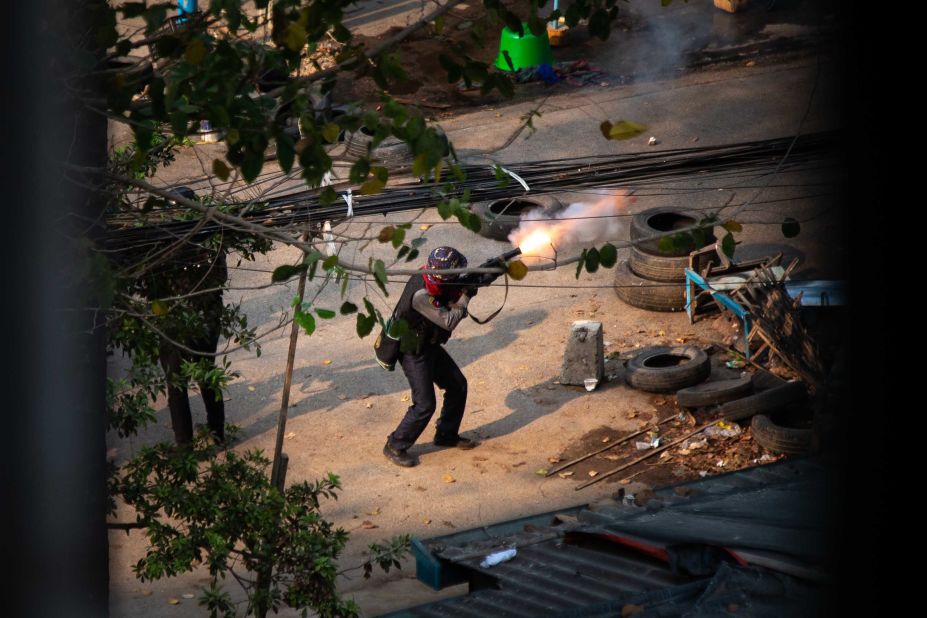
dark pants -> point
(433, 366)
(179, 402)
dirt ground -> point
(343, 405)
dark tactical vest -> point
(428, 332)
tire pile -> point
(683, 370)
(498, 218)
(652, 279)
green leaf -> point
(398, 237)
(732, 226)
(365, 324)
(325, 314)
(592, 260)
(330, 262)
(327, 197)
(439, 24)
(412, 255)
(360, 170)
(348, 308)
(154, 17)
(220, 169)
(581, 263)
(420, 165)
(445, 210)
(790, 227)
(623, 129)
(305, 320)
(251, 166)
(371, 187)
(379, 274)
(728, 245)
(285, 152)
(608, 255)
(195, 52)
(294, 37)
(312, 257)
(330, 132)
(159, 308)
(665, 2)
(287, 271)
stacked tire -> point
(498, 218)
(652, 279)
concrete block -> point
(584, 356)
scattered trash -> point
(652, 141)
(564, 475)
(702, 473)
(404, 398)
(643, 446)
(173, 601)
(447, 478)
(541, 472)
(327, 361)
(606, 439)
(251, 388)
(368, 406)
(723, 430)
(424, 228)
(553, 460)
(751, 63)
(628, 499)
(680, 339)
(289, 435)
(426, 521)
(376, 511)
(592, 473)
(497, 557)
(590, 383)
(734, 364)
(188, 595)
(720, 463)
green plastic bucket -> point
(525, 51)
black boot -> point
(400, 458)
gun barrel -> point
(505, 257)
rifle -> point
(472, 281)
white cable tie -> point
(516, 177)
(328, 237)
(350, 201)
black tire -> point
(499, 217)
(713, 393)
(658, 369)
(647, 294)
(764, 402)
(658, 267)
(662, 220)
(779, 439)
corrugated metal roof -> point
(772, 512)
